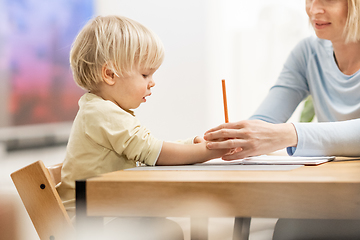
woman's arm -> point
(340, 138)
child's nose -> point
(151, 83)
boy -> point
(114, 59)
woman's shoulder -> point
(314, 46)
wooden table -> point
(327, 191)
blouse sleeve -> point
(340, 138)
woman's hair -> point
(352, 27)
(119, 42)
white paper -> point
(257, 163)
(272, 160)
(286, 160)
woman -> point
(327, 68)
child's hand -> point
(198, 139)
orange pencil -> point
(225, 101)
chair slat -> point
(42, 202)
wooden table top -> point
(330, 190)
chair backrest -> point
(36, 187)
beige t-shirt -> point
(104, 138)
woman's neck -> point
(347, 57)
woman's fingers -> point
(232, 125)
(223, 134)
(216, 128)
(226, 144)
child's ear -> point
(108, 75)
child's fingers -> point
(198, 139)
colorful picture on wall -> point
(36, 39)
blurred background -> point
(244, 42)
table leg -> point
(86, 227)
(199, 228)
(241, 228)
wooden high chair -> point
(36, 186)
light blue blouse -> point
(311, 69)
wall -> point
(177, 108)
(245, 42)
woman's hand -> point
(250, 138)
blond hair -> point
(119, 42)
(352, 27)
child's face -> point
(131, 90)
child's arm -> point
(177, 154)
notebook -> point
(286, 160)
(273, 160)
